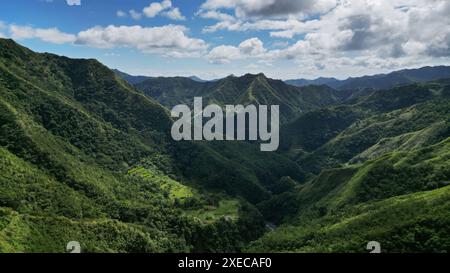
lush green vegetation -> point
(82, 148)
(408, 223)
(400, 200)
(85, 156)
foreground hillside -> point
(401, 200)
(86, 157)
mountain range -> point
(86, 155)
(248, 89)
(381, 81)
(139, 79)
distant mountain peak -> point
(197, 79)
(130, 78)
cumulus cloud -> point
(170, 40)
(135, 15)
(386, 29)
(163, 8)
(353, 38)
(73, 2)
(224, 54)
(156, 8)
(121, 14)
(174, 14)
(51, 35)
(252, 47)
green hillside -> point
(79, 144)
(368, 126)
(391, 157)
(401, 200)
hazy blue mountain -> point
(319, 81)
(381, 81)
(197, 79)
(130, 78)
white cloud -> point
(135, 15)
(387, 29)
(225, 53)
(73, 2)
(157, 7)
(132, 13)
(121, 14)
(356, 37)
(174, 14)
(163, 8)
(216, 15)
(51, 35)
(252, 47)
(169, 40)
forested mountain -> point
(319, 81)
(85, 156)
(197, 79)
(381, 81)
(248, 89)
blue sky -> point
(214, 38)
